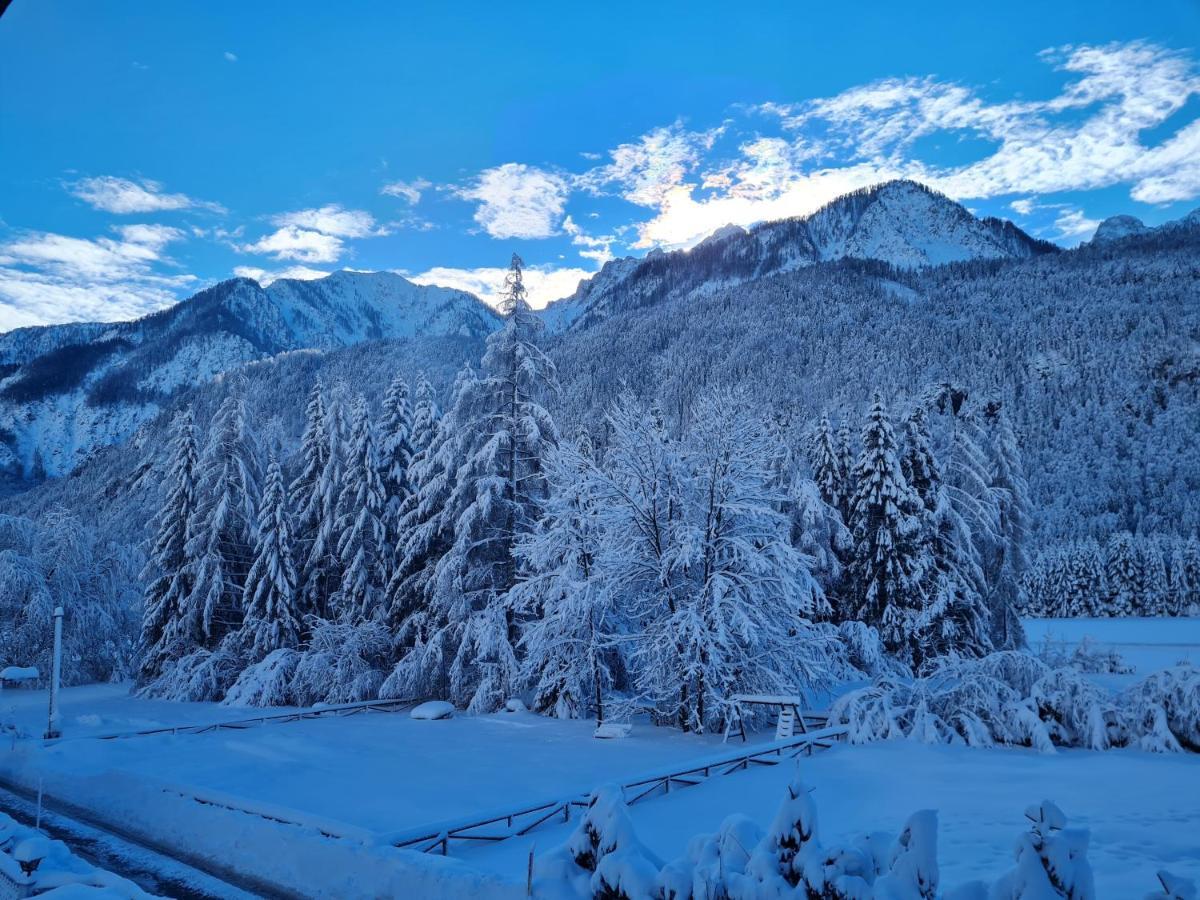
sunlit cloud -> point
(265, 277)
(544, 283)
(315, 235)
(409, 191)
(517, 201)
(124, 196)
(46, 277)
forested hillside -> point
(1084, 364)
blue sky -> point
(150, 149)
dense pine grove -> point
(1084, 360)
(477, 553)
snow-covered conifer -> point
(360, 528)
(169, 569)
(502, 433)
(221, 536)
(270, 621)
(887, 570)
(1006, 561)
(1125, 576)
(314, 495)
(395, 459)
(827, 465)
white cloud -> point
(544, 283)
(301, 244)
(230, 57)
(46, 277)
(1088, 135)
(517, 201)
(1023, 206)
(409, 191)
(1073, 226)
(314, 235)
(265, 277)
(332, 219)
(123, 196)
(650, 168)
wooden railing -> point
(515, 823)
(316, 712)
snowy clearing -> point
(365, 775)
(1147, 644)
(1141, 808)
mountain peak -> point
(902, 222)
(1116, 227)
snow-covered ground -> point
(1142, 809)
(1146, 644)
(372, 774)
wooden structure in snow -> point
(791, 718)
(19, 676)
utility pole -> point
(55, 676)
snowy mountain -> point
(902, 223)
(1117, 228)
(66, 390)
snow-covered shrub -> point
(913, 872)
(267, 682)
(1084, 656)
(602, 858)
(1164, 709)
(201, 676)
(719, 863)
(343, 664)
(1014, 698)
(1051, 861)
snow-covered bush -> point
(604, 860)
(1165, 709)
(1015, 698)
(1084, 656)
(267, 682)
(602, 857)
(201, 676)
(1051, 861)
(343, 664)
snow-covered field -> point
(373, 774)
(1146, 644)
(1141, 808)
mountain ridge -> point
(67, 389)
(902, 223)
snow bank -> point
(56, 871)
(433, 710)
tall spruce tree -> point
(504, 433)
(1005, 563)
(395, 460)
(221, 541)
(887, 570)
(360, 524)
(955, 619)
(459, 561)
(827, 466)
(1125, 576)
(316, 492)
(168, 570)
(269, 600)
